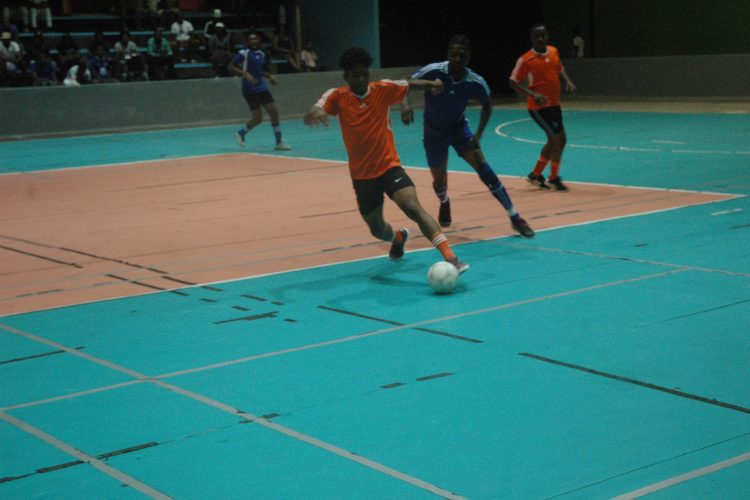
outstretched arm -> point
(436, 85)
(316, 116)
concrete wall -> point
(334, 25)
(673, 76)
(45, 111)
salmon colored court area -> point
(80, 235)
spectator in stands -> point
(101, 65)
(67, 52)
(43, 69)
(220, 49)
(309, 58)
(8, 24)
(160, 57)
(40, 5)
(15, 10)
(36, 45)
(169, 11)
(184, 39)
(78, 74)
(130, 64)
(11, 59)
(283, 47)
(98, 41)
(210, 27)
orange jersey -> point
(542, 73)
(366, 126)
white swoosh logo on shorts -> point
(397, 180)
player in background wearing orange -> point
(537, 75)
(363, 109)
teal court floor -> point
(600, 360)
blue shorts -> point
(437, 142)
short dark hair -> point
(460, 40)
(537, 26)
(354, 56)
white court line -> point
(646, 490)
(724, 212)
(83, 457)
(499, 131)
(210, 402)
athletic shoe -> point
(522, 227)
(461, 266)
(536, 180)
(444, 215)
(397, 248)
(557, 184)
(240, 139)
(282, 146)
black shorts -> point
(550, 119)
(255, 100)
(370, 191)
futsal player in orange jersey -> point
(537, 75)
(363, 109)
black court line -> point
(73, 463)
(388, 322)
(111, 259)
(696, 313)
(133, 282)
(43, 257)
(172, 278)
(271, 314)
(648, 385)
(34, 356)
(327, 214)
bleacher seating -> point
(83, 26)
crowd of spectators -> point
(51, 58)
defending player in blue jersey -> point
(445, 125)
(249, 64)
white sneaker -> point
(240, 139)
(283, 146)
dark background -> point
(417, 33)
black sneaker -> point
(557, 184)
(461, 266)
(522, 227)
(397, 249)
(444, 215)
(536, 180)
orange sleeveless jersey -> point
(542, 71)
(366, 126)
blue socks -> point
(495, 185)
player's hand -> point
(570, 87)
(273, 79)
(540, 99)
(316, 116)
(407, 115)
(438, 87)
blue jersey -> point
(446, 109)
(253, 62)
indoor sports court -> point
(182, 318)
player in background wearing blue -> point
(445, 126)
(250, 65)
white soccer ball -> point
(442, 276)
